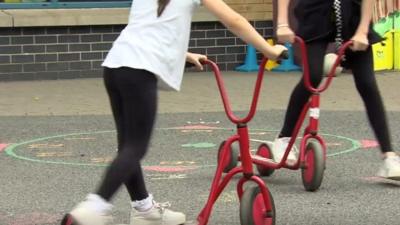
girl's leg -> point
(116, 107)
(133, 97)
(364, 77)
(134, 107)
(300, 95)
(115, 102)
(362, 66)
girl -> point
(321, 22)
(150, 51)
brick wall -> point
(75, 52)
(54, 52)
(220, 45)
(253, 9)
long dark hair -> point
(161, 6)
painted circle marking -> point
(10, 150)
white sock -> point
(143, 205)
(98, 204)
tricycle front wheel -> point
(253, 210)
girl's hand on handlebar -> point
(278, 51)
(285, 34)
(196, 59)
(360, 42)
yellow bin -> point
(383, 53)
(397, 50)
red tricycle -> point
(256, 202)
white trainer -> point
(159, 214)
(390, 168)
(278, 150)
(84, 214)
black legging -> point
(133, 98)
(361, 64)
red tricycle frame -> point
(258, 203)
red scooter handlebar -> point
(224, 95)
(225, 99)
(256, 93)
(306, 70)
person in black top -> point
(321, 22)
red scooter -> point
(256, 202)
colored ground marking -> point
(173, 166)
(54, 154)
(257, 133)
(203, 122)
(164, 176)
(3, 146)
(177, 163)
(199, 145)
(198, 131)
(369, 143)
(170, 169)
(333, 144)
(46, 145)
(101, 160)
(11, 150)
(196, 127)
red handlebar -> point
(225, 99)
(306, 70)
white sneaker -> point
(84, 214)
(158, 215)
(278, 150)
(390, 168)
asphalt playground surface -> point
(57, 137)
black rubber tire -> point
(264, 150)
(313, 172)
(247, 207)
(233, 157)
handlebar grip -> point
(284, 55)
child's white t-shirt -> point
(155, 44)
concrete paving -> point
(60, 137)
(199, 91)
